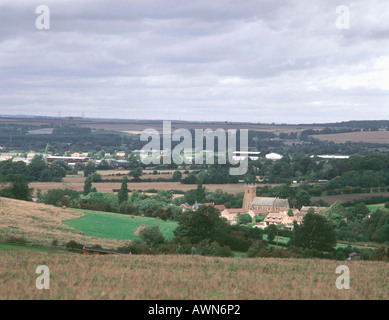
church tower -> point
(250, 192)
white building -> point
(273, 156)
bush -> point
(225, 251)
(17, 240)
(152, 236)
(136, 247)
(74, 246)
(257, 249)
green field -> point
(375, 206)
(283, 240)
(116, 226)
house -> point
(273, 156)
(231, 214)
(31, 156)
(305, 209)
(197, 205)
(298, 217)
(220, 207)
(186, 206)
(75, 155)
(69, 160)
(278, 218)
(25, 160)
(353, 256)
(252, 202)
(121, 155)
(254, 213)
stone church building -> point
(252, 202)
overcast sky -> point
(282, 61)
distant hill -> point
(357, 124)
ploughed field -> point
(75, 276)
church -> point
(252, 202)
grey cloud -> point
(274, 61)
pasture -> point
(376, 206)
(106, 225)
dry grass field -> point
(41, 224)
(367, 137)
(74, 276)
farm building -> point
(69, 160)
(353, 256)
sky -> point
(261, 61)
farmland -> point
(40, 224)
(367, 137)
(115, 226)
(137, 126)
(75, 276)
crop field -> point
(116, 226)
(110, 186)
(367, 137)
(74, 276)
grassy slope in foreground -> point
(117, 226)
(165, 277)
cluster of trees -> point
(15, 186)
(37, 170)
(80, 139)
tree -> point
(18, 188)
(152, 236)
(271, 232)
(203, 224)
(36, 167)
(62, 164)
(316, 232)
(136, 173)
(200, 192)
(88, 185)
(290, 213)
(244, 218)
(89, 169)
(303, 198)
(123, 192)
(177, 176)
